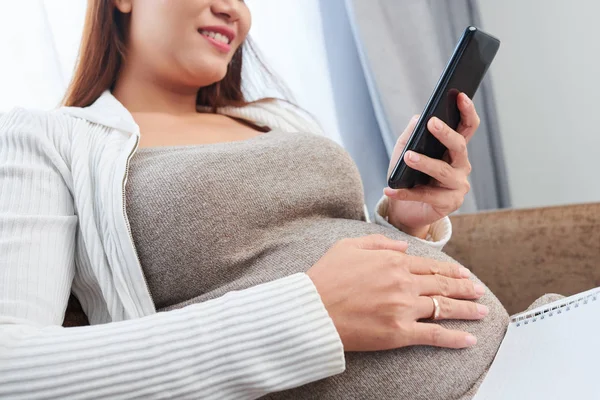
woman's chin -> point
(208, 76)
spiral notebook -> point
(551, 352)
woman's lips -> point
(220, 36)
(223, 47)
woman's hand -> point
(376, 295)
(413, 210)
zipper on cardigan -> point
(137, 141)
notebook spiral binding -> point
(527, 318)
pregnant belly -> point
(408, 373)
(279, 252)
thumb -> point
(380, 242)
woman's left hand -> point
(414, 210)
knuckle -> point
(398, 261)
(402, 332)
(446, 171)
(467, 289)
(446, 308)
(472, 310)
(392, 321)
(462, 145)
(453, 270)
(400, 303)
(469, 167)
(467, 185)
(404, 281)
(443, 285)
(389, 260)
(446, 131)
(396, 325)
(457, 202)
(435, 335)
(471, 289)
(402, 194)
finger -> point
(379, 242)
(436, 335)
(443, 199)
(450, 309)
(430, 285)
(454, 142)
(426, 266)
(469, 119)
(444, 173)
(402, 140)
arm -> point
(245, 344)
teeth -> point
(216, 36)
(221, 38)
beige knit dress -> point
(210, 219)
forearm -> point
(243, 345)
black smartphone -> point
(465, 71)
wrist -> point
(421, 232)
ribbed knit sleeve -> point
(243, 345)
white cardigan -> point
(63, 228)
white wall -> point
(546, 78)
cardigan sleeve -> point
(246, 344)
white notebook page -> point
(552, 352)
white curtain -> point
(38, 43)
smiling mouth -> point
(216, 36)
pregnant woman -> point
(220, 247)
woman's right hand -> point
(376, 295)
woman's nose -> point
(227, 9)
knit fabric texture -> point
(211, 219)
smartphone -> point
(465, 71)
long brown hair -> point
(103, 50)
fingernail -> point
(471, 340)
(414, 157)
(479, 289)
(437, 123)
(464, 272)
(482, 310)
(467, 101)
(415, 118)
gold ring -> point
(436, 308)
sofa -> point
(523, 254)
(520, 254)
